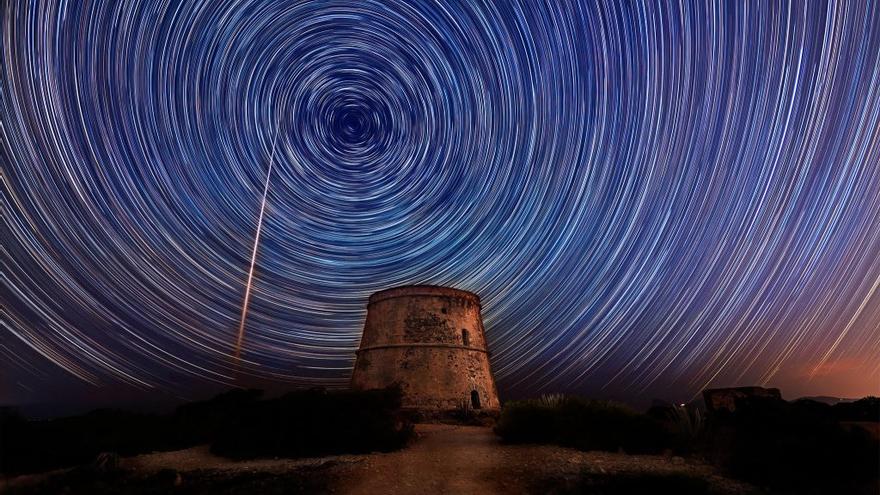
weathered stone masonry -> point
(430, 340)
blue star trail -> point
(649, 198)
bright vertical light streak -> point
(247, 291)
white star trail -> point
(650, 198)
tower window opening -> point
(465, 338)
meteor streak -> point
(250, 278)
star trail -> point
(649, 198)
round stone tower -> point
(430, 341)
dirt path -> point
(445, 459)
(471, 460)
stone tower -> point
(430, 341)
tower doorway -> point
(475, 399)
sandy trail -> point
(445, 459)
(471, 460)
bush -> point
(799, 446)
(582, 424)
(865, 409)
(793, 446)
(30, 446)
(315, 422)
(237, 423)
(684, 426)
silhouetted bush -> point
(29, 446)
(684, 426)
(201, 422)
(582, 424)
(865, 409)
(797, 446)
(238, 423)
(315, 422)
(792, 447)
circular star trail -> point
(648, 198)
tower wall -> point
(430, 341)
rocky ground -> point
(443, 459)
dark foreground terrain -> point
(238, 424)
(361, 442)
(443, 459)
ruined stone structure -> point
(430, 341)
(718, 399)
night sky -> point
(650, 199)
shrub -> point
(238, 424)
(684, 426)
(29, 446)
(201, 422)
(552, 400)
(315, 422)
(865, 409)
(580, 423)
(793, 446)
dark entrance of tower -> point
(475, 399)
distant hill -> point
(828, 400)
